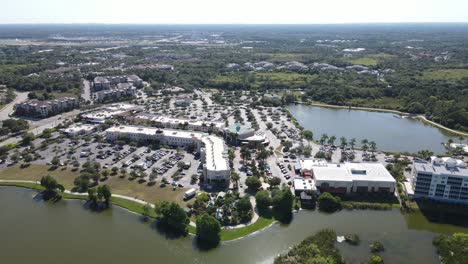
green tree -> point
(308, 134)
(253, 183)
(50, 184)
(263, 200)
(352, 143)
(323, 139)
(375, 260)
(275, 181)
(282, 201)
(28, 158)
(172, 217)
(104, 192)
(208, 231)
(245, 154)
(373, 147)
(55, 161)
(114, 170)
(425, 154)
(328, 203)
(27, 138)
(244, 209)
(92, 196)
(343, 143)
(235, 177)
(377, 247)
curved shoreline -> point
(68, 195)
(421, 117)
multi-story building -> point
(105, 83)
(37, 108)
(121, 90)
(444, 179)
(177, 123)
(212, 148)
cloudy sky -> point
(232, 11)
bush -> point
(263, 200)
(328, 202)
(353, 239)
(172, 217)
(318, 248)
(376, 247)
(253, 183)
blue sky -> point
(232, 11)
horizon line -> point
(232, 24)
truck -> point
(189, 194)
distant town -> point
(225, 159)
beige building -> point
(37, 108)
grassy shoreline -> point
(134, 207)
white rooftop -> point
(350, 171)
(308, 164)
(215, 149)
(304, 184)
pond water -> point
(389, 132)
(33, 231)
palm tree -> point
(245, 154)
(323, 139)
(331, 140)
(352, 143)
(425, 154)
(343, 143)
(373, 147)
(364, 143)
(235, 177)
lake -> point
(390, 133)
(38, 232)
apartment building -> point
(110, 82)
(121, 90)
(444, 179)
(42, 109)
(212, 148)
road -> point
(86, 91)
(6, 110)
(38, 126)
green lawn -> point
(65, 176)
(449, 75)
(231, 234)
(371, 59)
(364, 61)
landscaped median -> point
(137, 207)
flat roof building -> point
(212, 148)
(79, 129)
(177, 123)
(444, 179)
(353, 178)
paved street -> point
(6, 110)
(86, 91)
